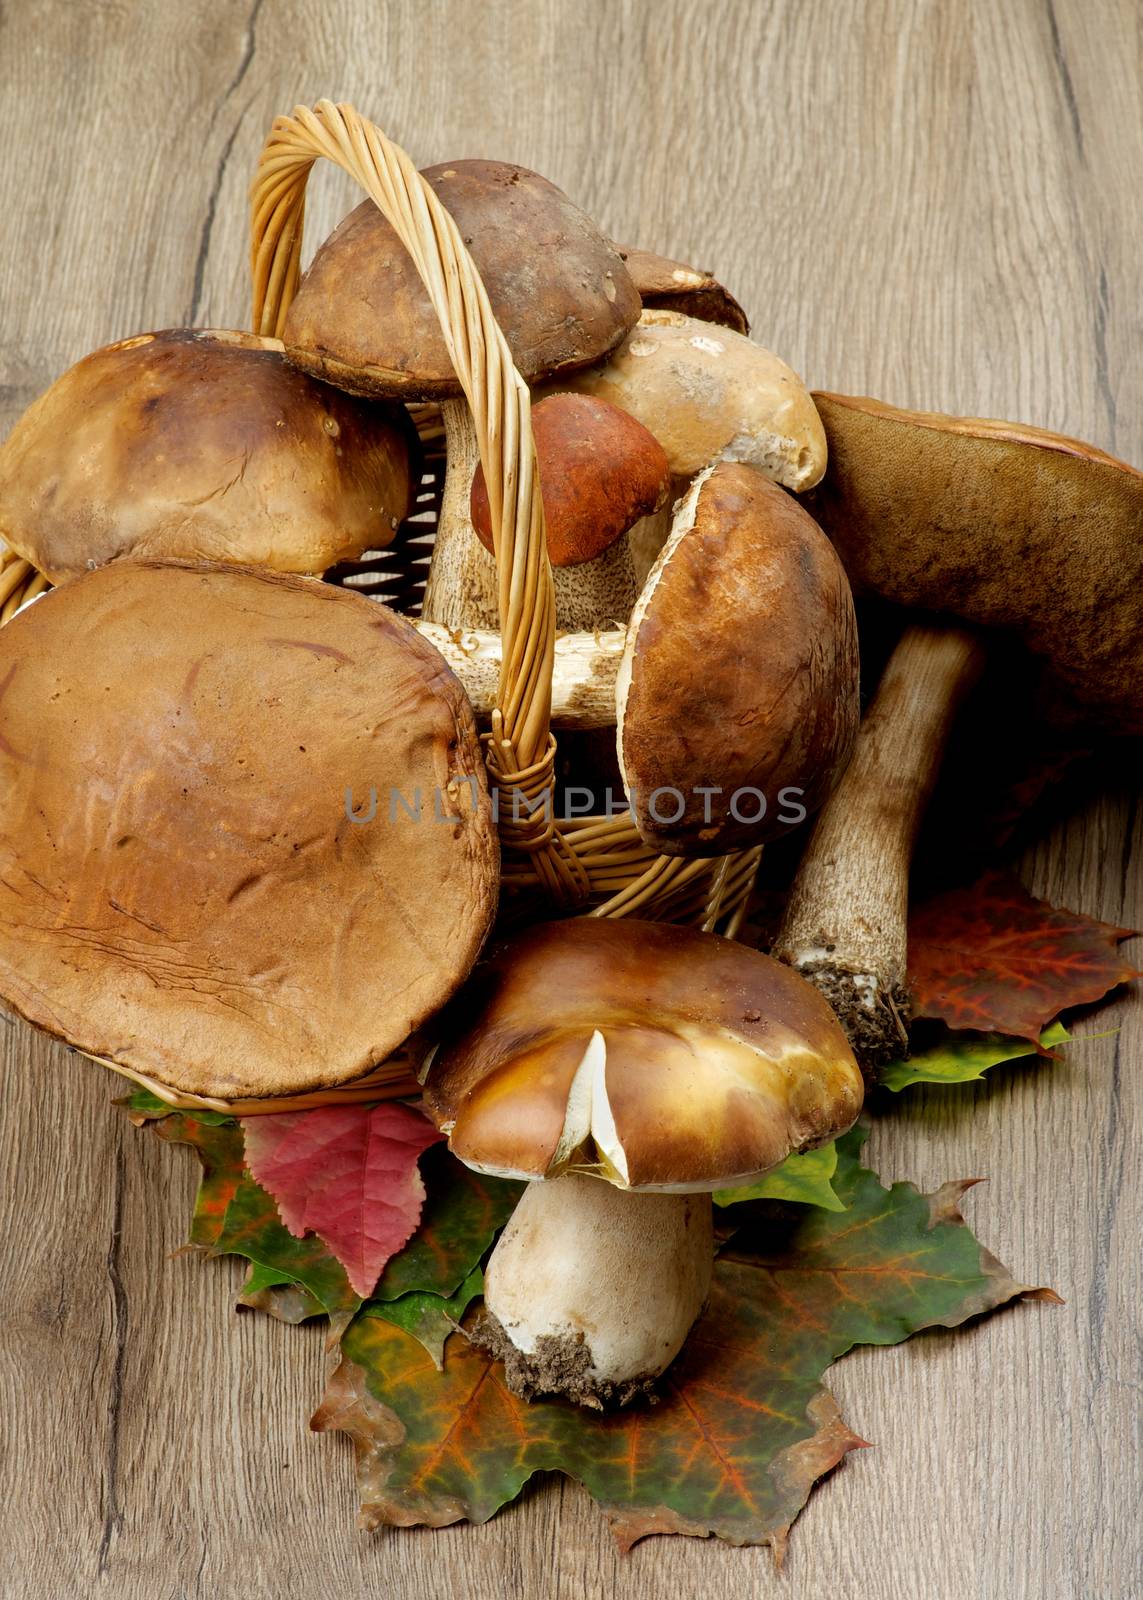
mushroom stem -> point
(592, 1289)
(583, 680)
(462, 590)
(846, 917)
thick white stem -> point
(584, 675)
(592, 1290)
(846, 917)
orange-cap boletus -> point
(996, 525)
(737, 697)
(601, 473)
(626, 1070)
(183, 888)
(362, 319)
(201, 445)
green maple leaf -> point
(965, 1057)
(807, 1179)
(743, 1428)
(430, 1318)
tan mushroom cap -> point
(740, 671)
(1000, 525)
(362, 318)
(705, 391)
(651, 1055)
(600, 472)
(182, 890)
(204, 446)
(666, 285)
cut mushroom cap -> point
(202, 445)
(706, 392)
(182, 888)
(650, 1055)
(738, 692)
(664, 1061)
(600, 472)
(666, 285)
(362, 317)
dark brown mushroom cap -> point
(600, 471)
(666, 285)
(362, 319)
(203, 446)
(1001, 526)
(182, 890)
(716, 1062)
(740, 671)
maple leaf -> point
(993, 959)
(430, 1318)
(743, 1428)
(965, 1057)
(805, 1178)
(294, 1279)
(347, 1173)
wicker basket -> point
(595, 865)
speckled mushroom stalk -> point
(626, 1070)
(844, 926)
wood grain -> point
(939, 203)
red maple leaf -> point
(994, 959)
(348, 1174)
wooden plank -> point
(939, 204)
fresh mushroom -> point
(625, 1070)
(601, 473)
(205, 446)
(362, 319)
(737, 697)
(707, 393)
(246, 843)
(666, 285)
(991, 524)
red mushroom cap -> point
(600, 471)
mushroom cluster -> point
(249, 845)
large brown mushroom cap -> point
(600, 472)
(362, 318)
(740, 670)
(182, 890)
(712, 1062)
(202, 446)
(1002, 526)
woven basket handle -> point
(498, 396)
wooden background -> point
(933, 201)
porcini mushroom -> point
(246, 844)
(707, 394)
(626, 1070)
(992, 524)
(737, 696)
(204, 445)
(601, 473)
(362, 319)
(666, 285)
